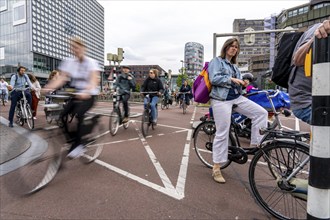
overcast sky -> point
(155, 32)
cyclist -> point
(3, 88)
(83, 74)
(186, 89)
(248, 79)
(227, 83)
(167, 95)
(124, 83)
(153, 84)
(18, 81)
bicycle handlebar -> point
(21, 89)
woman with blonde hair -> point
(226, 80)
(35, 94)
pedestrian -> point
(3, 88)
(300, 86)
(227, 83)
(153, 84)
(35, 94)
(123, 85)
(18, 81)
(83, 74)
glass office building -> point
(35, 33)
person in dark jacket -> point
(153, 84)
(124, 83)
(185, 88)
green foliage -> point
(182, 78)
(137, 87)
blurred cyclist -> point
(153, 84)
(83, 74)
(124, 83)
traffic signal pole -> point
(318, 200)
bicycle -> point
(183, 103)
(39, 165)
(23, 110)
(146, 121)
(205, 133)
(116, 116)
(278, 174)
(56, 104)
(3, 97)
(165, 103)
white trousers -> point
(222, 111)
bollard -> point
(318, 202)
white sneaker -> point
(77, 152)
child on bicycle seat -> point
(124, 83)
(153, 84)
(83, 74)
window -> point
(3, 5)
(19, 13)
(2, 53)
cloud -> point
(155, 32)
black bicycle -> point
(3, 97)
(183, 103)
(165, 103)
(23, 110)
(39, 165)
(116, 116)
(147, 119)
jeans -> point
(154, 101)
(304, 114)
(5, 92)
(15, 97)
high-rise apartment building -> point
(35, 33)
(193, 58)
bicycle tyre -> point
(272, 163)
(126, 125)
(145, 123)
(163, 104)
(203, 141)
(3, 99)
(37, 167)
(184, 107)
(94, 144)
(114, 123)
(29, 117)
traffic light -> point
(120, 54)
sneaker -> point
(77, 152)
(217, 176)
(125, 120)
(34, 118)
(10, 125)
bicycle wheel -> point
(163, 104)
(49, 118)
(267, 173)
(145, 123)
(29, 117)
(36, 167)
(94, 145)
(19, 116)
(114, 123)
(184, 107)
(203, 143)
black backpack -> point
(282, 66)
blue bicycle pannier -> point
(282, 100)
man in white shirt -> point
(83, 74)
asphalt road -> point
(159, 177)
